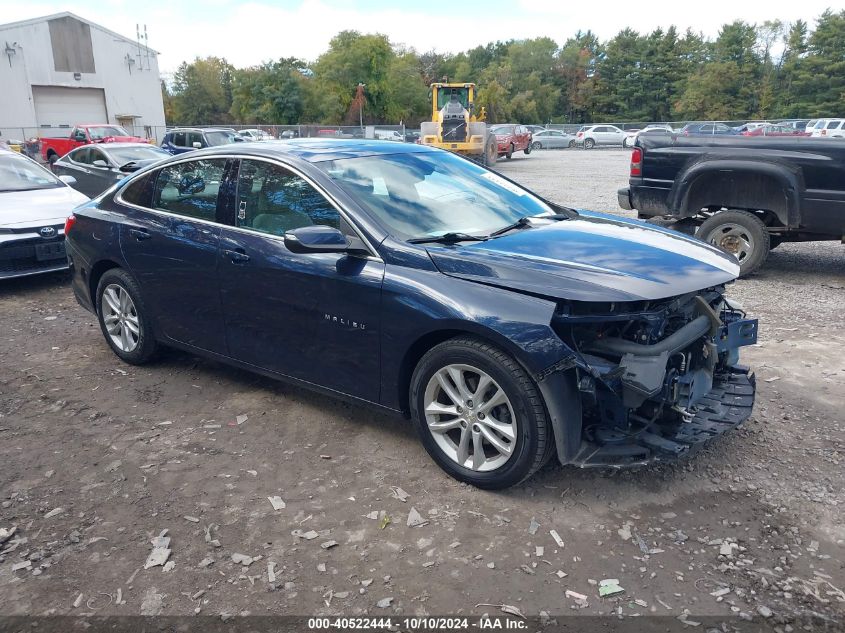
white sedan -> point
(34, 205)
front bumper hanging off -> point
(727, 405)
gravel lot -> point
(97, 458)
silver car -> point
(552, 139)
(97, 167)
(34, 205)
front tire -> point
(536, 145)
(509, 152)
(123, 318)
(740, 233)
(527, 150)
(491, 151)
(479, 414)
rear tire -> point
(739, 233)
(124, 320)
(522, 439)
(589, 143)
(572, 143)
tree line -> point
(749, 71)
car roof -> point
(200, 129)
(109, 146)
(315, 150)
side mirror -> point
(100, 163)
(316, 239)
(68, 180)
(196, 145)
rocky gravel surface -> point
(186, 487)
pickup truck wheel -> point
(739, 233)
(589, 143)
(509, 153)
(479, 414)
(527, 150)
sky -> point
(252, 31)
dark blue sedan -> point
(508, 328)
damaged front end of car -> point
(655, 378)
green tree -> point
(202, 92)
(270, 93)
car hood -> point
(39, 207)
(592, 258)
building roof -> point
(68, 14)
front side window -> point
(190, 188)
(81, 156)
(272, 199)
(420, 195)
(96, 155)
(194, 137)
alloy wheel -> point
(470, 417)
(120, 318)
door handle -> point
(140, 234)
(236, 256)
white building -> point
(62, 70)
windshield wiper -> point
(448, 238)
(527, 221)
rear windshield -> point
(130, 154)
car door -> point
(615, 136)
(311, 316)
(76, 164)
(553, 139)
(169, 239)
(101, 175)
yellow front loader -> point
(455, 125)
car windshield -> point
(105, 131)
(18, 173)
(420, 195)
(124, 155)
(502, 129)
(219, 138)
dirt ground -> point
(97, 458)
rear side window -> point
(832, 125)
(139, 191)
(190, 188)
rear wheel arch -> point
(766, 190)
(94, 276)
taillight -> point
(71, 220)
(580, 134)
(637, 162)
(824, 132)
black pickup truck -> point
(746, 195)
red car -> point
(512, 138)
(54, 148)
(774, 130)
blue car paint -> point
(351, 326)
